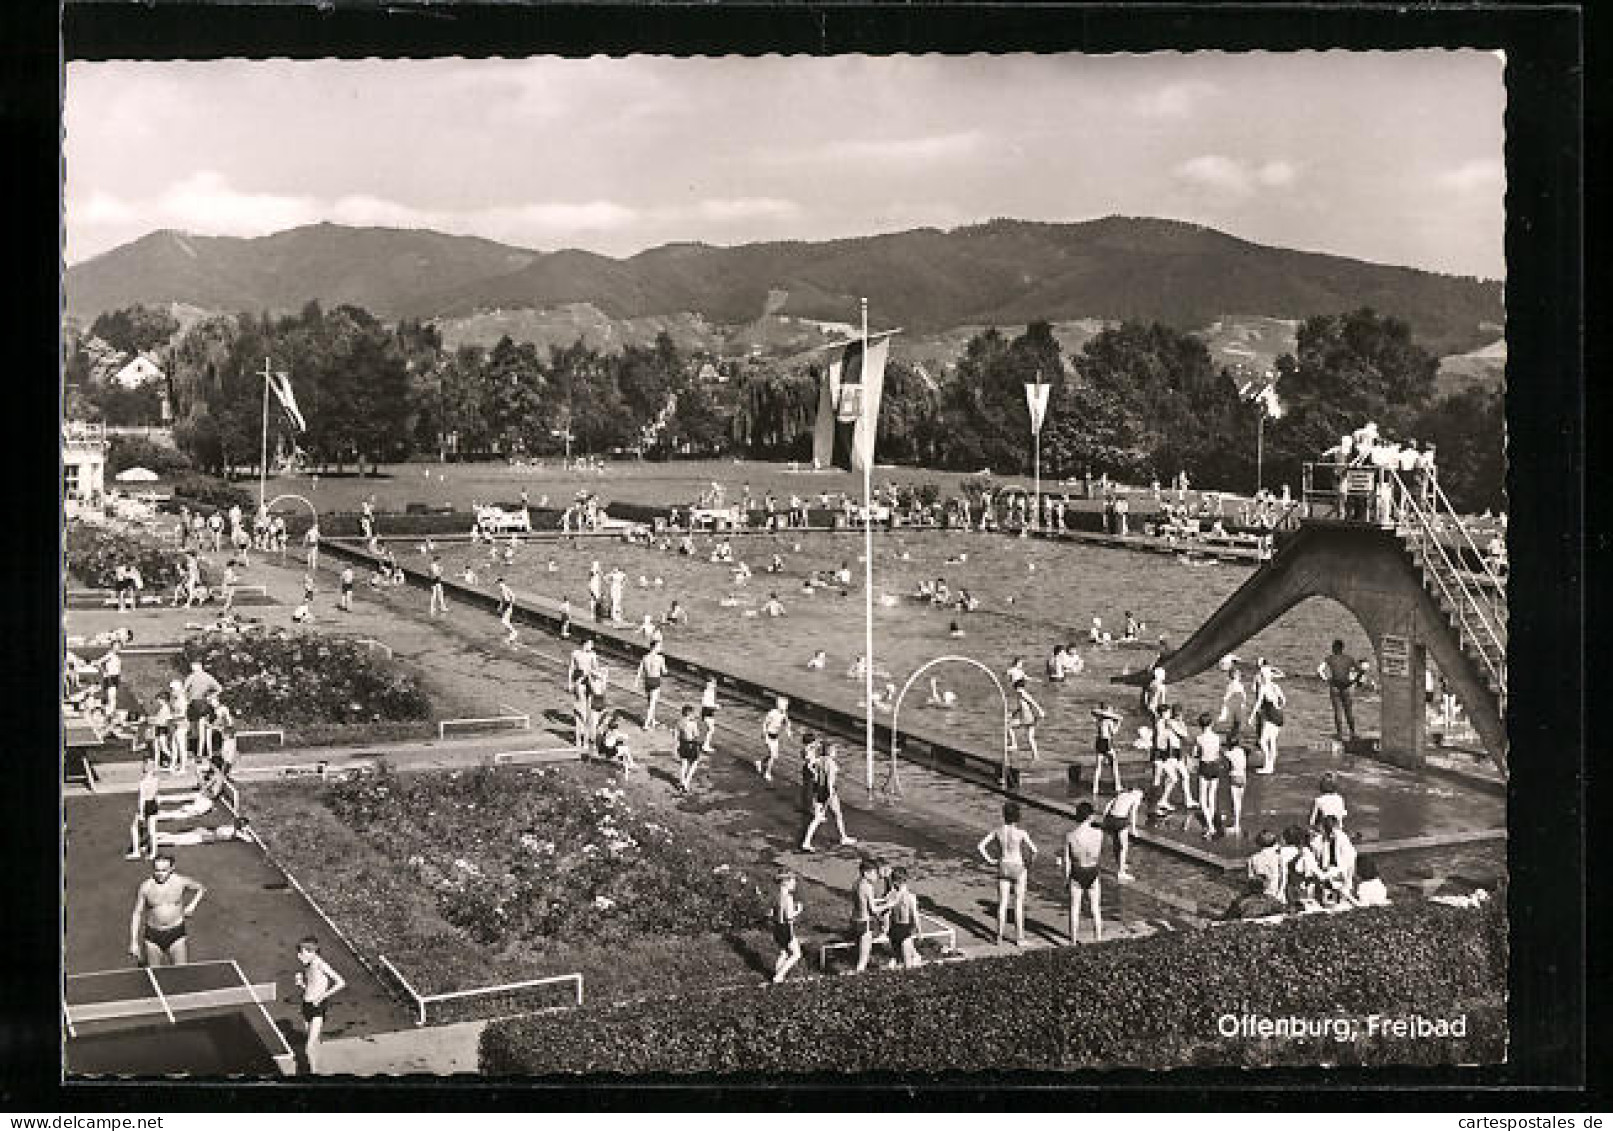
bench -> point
(937, 931)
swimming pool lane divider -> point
(965, 765)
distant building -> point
(138, 373)
(709, 375)
(83, 461)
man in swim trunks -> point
(319, 982)
(1342, 673)
(157, 927)
(651, 670)
(1082, 849)
(198, 685)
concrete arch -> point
(1368, 571)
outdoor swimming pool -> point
(1033, 594)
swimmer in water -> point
(955, 630)
(944, 700)
(819, 660)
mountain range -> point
(927, 281)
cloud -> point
(1213, 171)
(926, 149)
(747, 208)
(1276, 174)
(1231, 177)
(1173, 100)
(205, 201)
(1470, 176)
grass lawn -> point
(477, 877)
(674, 483)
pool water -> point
(1033, 594)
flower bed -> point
(511, 855)
(308, 678)
(1153, 1003)
(475, 877)
(94, 552)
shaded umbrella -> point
(137, 475)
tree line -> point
(1137, 401)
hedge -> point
(207, 491)
(1148, 1003)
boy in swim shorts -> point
(775, 726)
(786, 910)
(864, 911)
(688, 739)
(319, 982)
(1108, 721)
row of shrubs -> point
(1151, 1003)
(94, 553)
(195, 489)
(316, 679)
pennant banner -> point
(281, 385)
(1036, 401)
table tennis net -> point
(173, 993)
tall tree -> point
(1468, 430)
(1350, 369)
(135, 329)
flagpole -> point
(263, 454)
(868, 564)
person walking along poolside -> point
(826, 798)
(651, 670)
(687, 735)
(439, 599)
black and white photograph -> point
(779, 566)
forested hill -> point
(1005, 272)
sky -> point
(1394, 157)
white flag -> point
(281, 384)
(1036, 401)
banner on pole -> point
(1036, 400)
(848, 404)
(280, 385)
